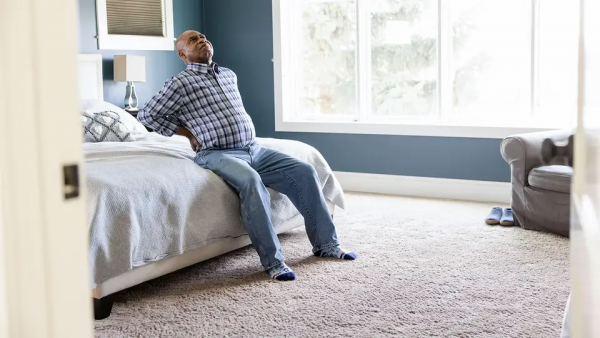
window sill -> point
(379, 128)
(135, 42)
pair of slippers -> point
(500, 216)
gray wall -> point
(160, 65)
(242, 33)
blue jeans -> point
(249, 171)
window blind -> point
(136, 17)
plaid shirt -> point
(205, 100)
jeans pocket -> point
(253, 148)
(200, 159)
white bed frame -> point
(90, 87)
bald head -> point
(193, 47)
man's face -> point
(193, 46)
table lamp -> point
(130, 69)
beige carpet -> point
(425, 268)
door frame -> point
(585, 222)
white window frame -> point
(134, 42)
(283, 50)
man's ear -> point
(181, 55)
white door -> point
(43, 239)
(3, 311)
(585, 224)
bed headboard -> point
(90, 77)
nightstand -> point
(134, 113)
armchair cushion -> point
(523, 152)
(552, 177)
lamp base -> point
(131, 100)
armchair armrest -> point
(523, 152)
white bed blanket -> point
(148, 200)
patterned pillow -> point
(104, 126)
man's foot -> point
(336, 252)
(282, 273)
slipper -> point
(494, 217)
(507, 217)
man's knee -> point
(306, 169)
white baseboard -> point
(480, 191)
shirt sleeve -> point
(160, 112)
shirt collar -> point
(203, 68)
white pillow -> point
(95, 106)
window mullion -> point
(363, 59)
(294, 57)
(445, 62)
(535, 51)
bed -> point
(152, 211)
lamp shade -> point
(130, 68)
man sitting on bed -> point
(203, 104)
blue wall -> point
(160, 65)
(242, 34)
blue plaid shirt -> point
(205, 100)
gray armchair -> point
(540, 193)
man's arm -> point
(157, 113)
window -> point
(135, 24)
(479, 68)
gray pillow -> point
(104, 126)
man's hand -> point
(196, 146)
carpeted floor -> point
(426, 268)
